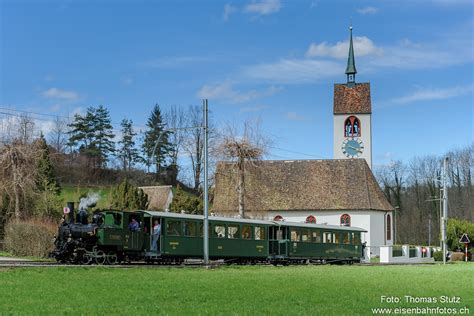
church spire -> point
(351, 68)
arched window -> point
(278, 218)
(311, 219)
(352, 127)
(345, 220)
(389, 227)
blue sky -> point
(271, 60)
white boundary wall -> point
(386, 254)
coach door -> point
(278, 241)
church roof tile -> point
(297, 185)
(352, 99)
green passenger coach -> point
(230, 239)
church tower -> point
(352, 115)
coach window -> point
(219, 231)
(117, 219)
(259, 233)
(327, 237)
(337, 238)
(233, 231)
(173, 228)
(190, 229)
(246, 232)
(316, 236)
(345, 220)
(346, 238)
(306, 236)
(356, 239)
(295, 235)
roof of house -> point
(352, 99)
(158, 196)
(299, 185)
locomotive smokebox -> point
(70, 206)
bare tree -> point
(26, 126)
(58, 136)
(194, 143)
(17, 160)
(248, 147)
(175, 119)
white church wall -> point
(366, 135)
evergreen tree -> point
(186, 202)
(128, 153)
(156, 145)
(103, 135)
(125, 196)
(93, 134)
(45, 175)
(48, 201)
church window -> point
(389, 227)
(278, 218)
(352, 127)
(311, 219)
(345, 220)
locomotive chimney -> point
(70, 205)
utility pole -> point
(205, 127)
(205, 197)
(445, 207)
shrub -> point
(457, 256)
(438, 256)
(455, 229)
(32, 237)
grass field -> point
(249, 290)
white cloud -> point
(293, 116)
(228, 10)
(367, 10)
(409, 55)
(294, 70)
(426, 94)
(55, 93)
(363, 46)
(263, 7)
(226, 92)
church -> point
(340, 191)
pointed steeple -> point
(351, 68)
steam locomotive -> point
(109, 239)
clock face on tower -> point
(352, 147)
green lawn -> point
(249, 290)
(72, 194)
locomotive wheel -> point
(86, 259)
(112, 257)
(100, 257)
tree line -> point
(413, 189)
